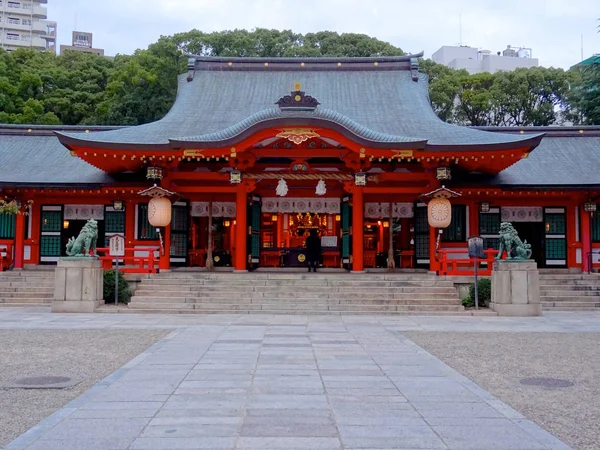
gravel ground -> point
(498, 361)
(89, 355)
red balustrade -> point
(6, 255)
(131, 262)
(465, 265)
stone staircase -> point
(26, 287)
(569, 291)
(294, 293)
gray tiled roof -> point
(379, 102)
(43, 160)
(557, 161)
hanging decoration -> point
(282, 188)
(439, 212)
(159, 212)
(321, 188)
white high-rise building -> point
(23, 25)
(476, 61)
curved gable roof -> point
(374, 98)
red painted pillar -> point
(19, 240)
(165, 257)
(433, 263)
(586, 236)
(572, 212)
(358, 220)
(241, 228)
(130, 207)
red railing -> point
(131, 262)
(6, 256)
(465, 265)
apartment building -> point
(23, 24)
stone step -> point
(571, 298)
(570, 276)
(296, 283)
(569, 293)
(398, 293)
(25, 301)
(27, 294)
(6, 289)
(127, 310)
(570, 304)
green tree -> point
(444, 87)
(584, 95)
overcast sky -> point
(552, 28)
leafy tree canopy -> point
(79, 88)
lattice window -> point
(422, 246)
(493, 243)
(556, 249)
(146, 232)
(50, 246)
(179, 218)
(7, 226)
(489, 223)
(457, 231)
(421, 221)
(595, 227)
(52, 221)
(555, 224)
(179, 245)
(114, 222)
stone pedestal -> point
(78, 285)
(516, 288)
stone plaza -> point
(289, 382)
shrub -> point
(467, 302)
(109, 288)
(484, 291)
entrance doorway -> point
(533, 233)
(283, 238)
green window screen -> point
(493, 243)
(421, 221)
(52, 221)
(345, 229)
(179, 245)
(595, 227)
(114, 222)
(50, 246)
(555, 224)
(489, 223)
(7, 226)
(179, 219)
(457, 231)
(256, 216)
(421, 233)
(556, 249)
(146, 232)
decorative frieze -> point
(522, 214)
(301, 205)
(382, 210)
(84, 212)
(219, 209)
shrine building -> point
(272, 148)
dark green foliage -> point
(78, 88)
(484, 291)
(109, 288)
(467, 302)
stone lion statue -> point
(85, 242)
(510, 241)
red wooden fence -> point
(131, 262)
(465, 265)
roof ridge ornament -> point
(298, 101)
(414, 69)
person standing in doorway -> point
(313, 250)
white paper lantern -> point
(439, 212)
(159, 212)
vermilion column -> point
(165, 258)
(433, 262)
(19, 240)
(586, 235)
(241, 228)
(358, 219)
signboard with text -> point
(117, 245)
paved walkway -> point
(288, 382)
